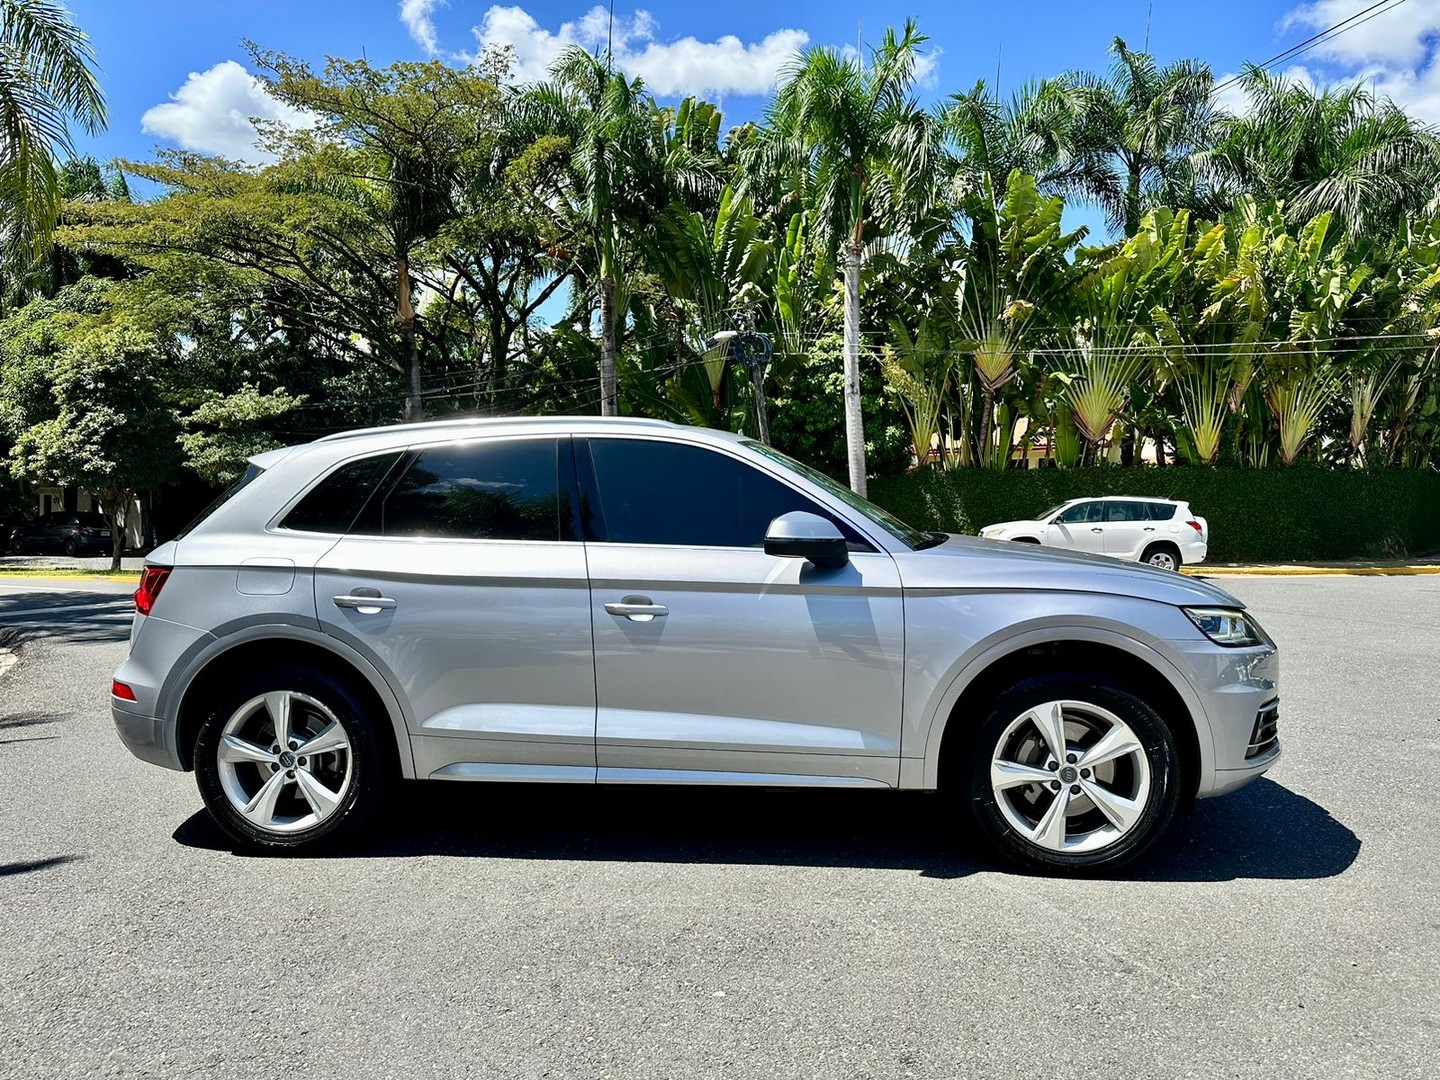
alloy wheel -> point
(285, 761)
(1070, 777)
(1163, 559)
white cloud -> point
(683, 66)
(1394, 52)
(415, 14)
(213, 113)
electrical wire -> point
(1328, 34)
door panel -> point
(761, 665)
(1127, 529)
(481, 602)
(1080, 528)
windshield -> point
(911, 538)
(1052, 511)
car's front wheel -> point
(290, 758)
(1073, 775)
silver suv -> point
(630, 602)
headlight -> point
(990, 533)
(1226, 626)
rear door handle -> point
(1149, 528)
(365, 605)
(637, 609)
(1097, 529)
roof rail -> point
(497, 421)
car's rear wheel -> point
(1073, 775)
(1164, 556)
(292, 759)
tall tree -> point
(1139, 127)
(862, 150)
(600, 127)
(48, 81)
(1338, 150)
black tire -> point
(373, 774)
(72, 548)
(1162, 548)
(17, 546)
(1157, 743)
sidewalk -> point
(62, 562)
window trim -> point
(589, 485)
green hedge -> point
(1255, 515)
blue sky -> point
(174, 70)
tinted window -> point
(667, 493)
(1126, 511)
(1082, 512)
(481, 491)
(332, 505)
(92, 521)
(1161, 511)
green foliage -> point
(1255, 515)
(225, 430)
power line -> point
(1329, 34)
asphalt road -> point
(1289, 930)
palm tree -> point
(47, 80)
(1340, 150)
(1138, 130)
(616, 170)
(860, 148)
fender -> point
(244, 632)
(985, 653)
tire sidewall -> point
(1154, 734)
(371, 767)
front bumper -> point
(1239, 691)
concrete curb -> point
(1309, 571)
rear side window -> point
(1126, 511)
(501, 490)
(332, 505)
(1161, 511)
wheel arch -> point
(1171, 545)
(1087, 648)
(279, 644)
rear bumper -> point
(144, 736)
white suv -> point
(1161, 532)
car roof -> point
(1125, 498)
(392, 436)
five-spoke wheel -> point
(293, 763)
(1073, 773)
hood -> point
(1025, 524)
(967, 562)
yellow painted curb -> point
(1310, 571)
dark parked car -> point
(72, 533)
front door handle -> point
(365, 605)
(637, 609)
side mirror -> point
(807, 536)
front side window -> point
(496, 490)
(1081, 513)
(653, 492)
(332, 505)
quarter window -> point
(495, 490)
(1161, 511)
(332, 505)
(653, 492)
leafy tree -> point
(108, 428)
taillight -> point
(152, 580)
(120, 690)
(1196, 526)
